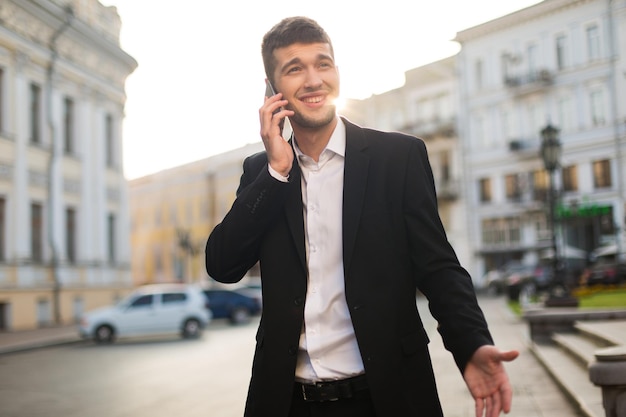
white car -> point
(150, 310)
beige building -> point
(173, 212)
(63, 197)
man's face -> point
(308, 78)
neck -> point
(312, 141)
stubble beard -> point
(313, 123)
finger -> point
(489, 407)
(506, 394)
(479, 405)
(496, 404)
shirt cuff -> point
(276, 175)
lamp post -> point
(551, 156)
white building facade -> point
(64, 221)
(559, 62)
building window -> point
(512, 187)
(446, 168)
(111, 238)
(596, 100)
(593, 43)
(565, 114)
(70, 234)
(532, 59)
(1, 100)
(485, 190)
(109, 141)
(36, 232)
(35, 114)
(541, 184)
(479, 74)
(503, 231)
(68, 126)
(2, 228)
(561, 52)
(570, 178)
(602, 174)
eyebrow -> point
(297, 60)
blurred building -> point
(559, 62)
(427, 106)
(64, 243)
(174, 211)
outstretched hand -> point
(488, 382)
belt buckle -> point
(322, 390)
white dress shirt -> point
(328, 347)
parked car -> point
(150, 310)
(518, 276)
(606, 268)
(233, 305)
(493, 282)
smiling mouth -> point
(313, 100)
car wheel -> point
(191, 329)
(240, 315)
(104, 334)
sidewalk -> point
(534, 393)
(17, 341)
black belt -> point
(332, 390)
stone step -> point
(578, 346)
(571, 377)
(609, 332)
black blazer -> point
(393, 244)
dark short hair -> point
(288, 31)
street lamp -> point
(551, 155)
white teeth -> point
(312, 100)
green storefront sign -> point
(583, 210)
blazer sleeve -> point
(233, 246)
(439, 275)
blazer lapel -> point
(354, 185)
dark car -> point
(606, 270)
(232, 305)
(519, 277)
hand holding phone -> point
(269, 92)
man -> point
(344, 223)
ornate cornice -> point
(519, 17)
(36, 21)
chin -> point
(315, 122)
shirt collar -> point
(336, 144)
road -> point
(143, 377)
(209, 377)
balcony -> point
(448, 190)
(432, 128)
(530, 82)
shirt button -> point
(293, 350)
(298, 301)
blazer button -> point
(299, 301)
(293, 350)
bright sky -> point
(200, 79)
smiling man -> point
(344, 223)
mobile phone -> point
(269, 92)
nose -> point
(313, 80)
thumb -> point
(509, 355)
